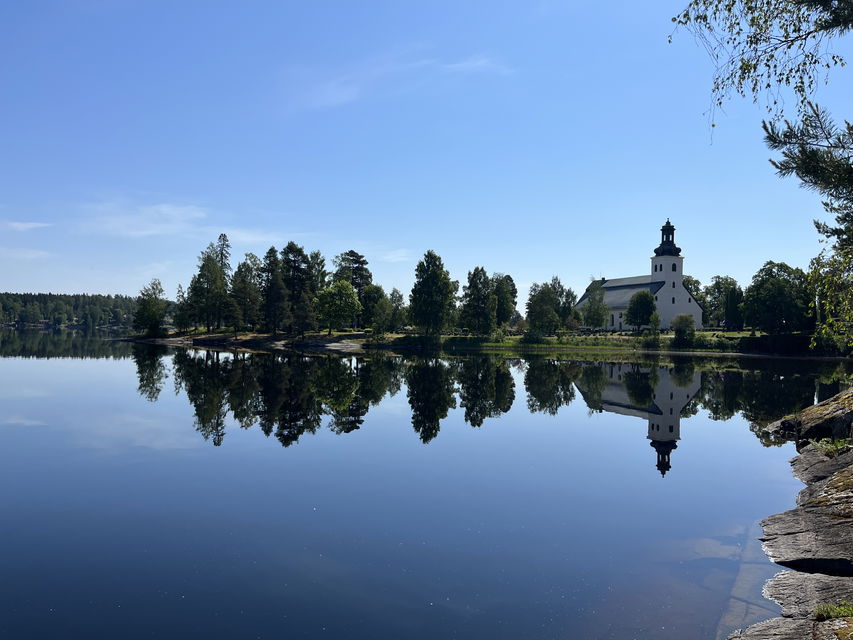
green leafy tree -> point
(684, 330)
(778, 299)
(716, 294)
(398, 310)
(182, 315)
(337, 305)
(641, 306)
(479, 303)
(768, 46)
(431, 302)
(372, 296)
(764, 47)
(507, 297)
(543, 310)
(594, 311)
(151, 309)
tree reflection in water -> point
(290, 395)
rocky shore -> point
(815, 539)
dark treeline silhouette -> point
(287, 396)
(59, 344)
(57, 309)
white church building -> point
(665, 283)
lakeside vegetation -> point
(288, 396)
(291, 296)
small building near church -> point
(665, 283)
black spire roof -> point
(667, 241)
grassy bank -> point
(704, 343)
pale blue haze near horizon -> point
(535, 139)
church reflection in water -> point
(658, 394)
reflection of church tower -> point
(664, 448)
(657, 394)
(670, 399)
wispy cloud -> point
(143, 220)
(318, 89)
(13, 225)
(18, 253)
(134, 220)
(398, 255)
(478, 64)
(20, 421)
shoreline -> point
(814, 540)
(354, 344)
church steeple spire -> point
(667, 241)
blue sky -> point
(531, 138)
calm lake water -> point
(149, 493)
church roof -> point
(618, 291)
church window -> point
(673, 285)
(670, 395)
(612, 321)
(656, 298)
(673, 266)
(670, 411)
(689, 299)
(673, 300)
(670, 428)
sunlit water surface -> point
(551, 519)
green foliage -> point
(56, 309)
(507, 296)
(831, 448)
(337, 305)
(151, 309)
(831, 276)
(550, 308)
(399, 312)
(246, 295)
(479, 303)
(778, 299)
(651, 337)
(351, 267)
(827, 611)
(594, 310)
(640, 309)
(763, 46)
(684, 329)
(820, 154)
(376, 307)
(275, 305)
(431, 299)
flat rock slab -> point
(832, 418)
(799, 594)
(817, 536)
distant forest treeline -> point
(60, 344)
(60, 309)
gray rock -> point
(817, 536)
(812, 465)
(776, 629)
(832, 418)
(800, 593)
